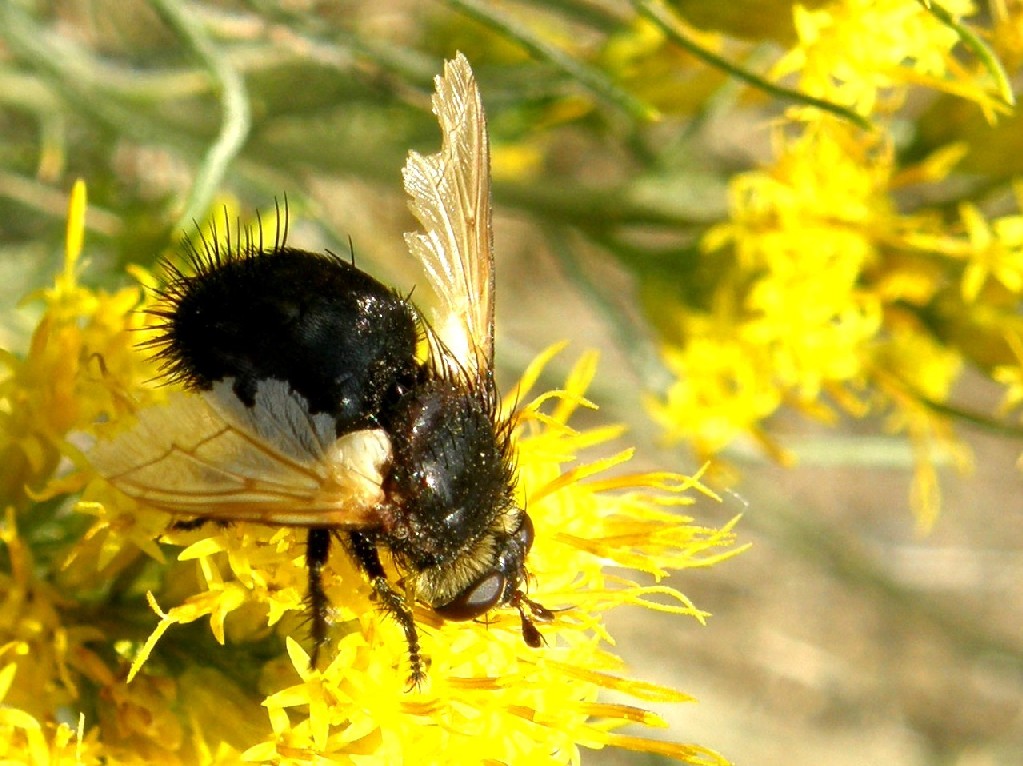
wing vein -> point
(449, 193)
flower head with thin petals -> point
(225, 673)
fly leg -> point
(365, 552)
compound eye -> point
(476, 600)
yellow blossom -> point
(78, 366)
(855, 52)
(994, 252)
(236, 683)
(1011, 376)
(828, 290)
(722, 390)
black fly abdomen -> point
(340, 338)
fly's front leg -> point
(365, 553)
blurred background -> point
(635, 149)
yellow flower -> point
(236, 684)
(826, 292)
(78, 366)
(994, 251)
(854, 52)
(910, 371)
(1011, 376)
(793, 319)
(722, 390)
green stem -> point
(666, 21)
(236, 118)
(592, 79)
(591, 209)
(69, 68)
(53, 202)
(977, 47)
(977, 419)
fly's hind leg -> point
(316, 552)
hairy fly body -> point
(306, 405)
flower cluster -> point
(89, 674)
(838, 281)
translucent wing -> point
(207, 454)
(449, 193)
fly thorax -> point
(450, 476)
